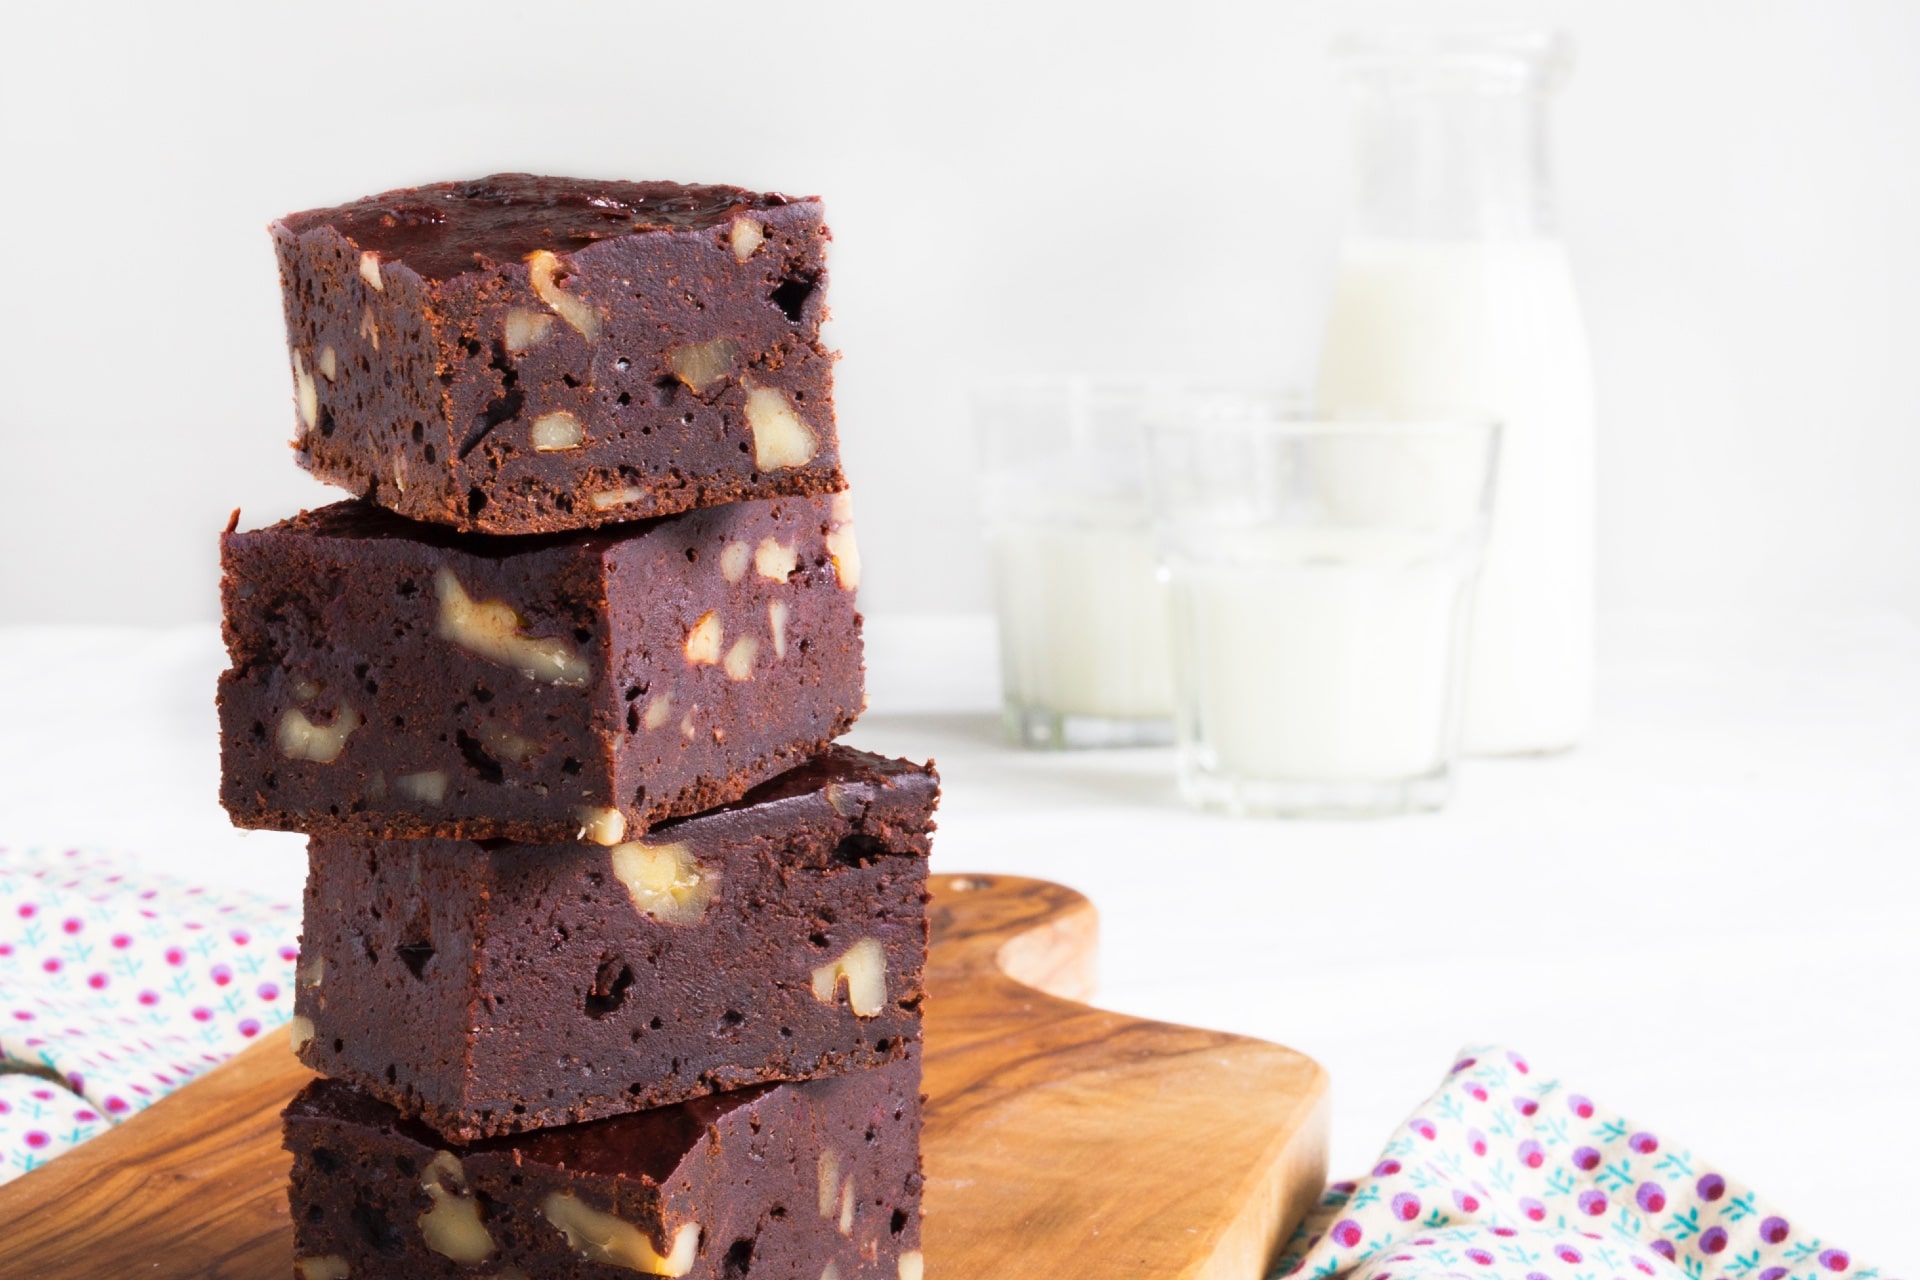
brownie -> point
(524, 355)
(783, 1182)
(403, 679)
(490, 988)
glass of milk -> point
(1321, 576)
(1082, 612)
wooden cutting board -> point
(1060, 1140)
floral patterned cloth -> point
(1505, 1174)
(117, 987)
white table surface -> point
(1706, 917)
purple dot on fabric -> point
(1713, 1240)
(1586, 1159)
(1343, 1187)
(1580, 1106)
(1538, 1275)
(1774, 1273)
(1774, 1230)
(1346, 1233)
(1480, 1257)
(1644, 1143)
(1526, 1106)
(1711, 1187)
(1532, 1154)
(1462, 1065)
(1651, 1197)
(1477, 1142)
(1422, 1127)
(1665, 1249)
(269, 992)
(1535, 1211)
(1592, 1203)
(1386, 1168)
(1405, 1206)
(1835, 1260)
(1567, 1253)
(1519, 1063)
(1465, 1203)
(1477, 1093)
(249, 1027)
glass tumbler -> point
(1321, 579)
(1081, 609)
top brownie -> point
(522, 354)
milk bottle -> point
(1453, 298)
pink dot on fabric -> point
(1567, 1253)
(1835, 1260)
(1346, 1233)
(45, 1095)
(1462, 1065)
(1526, 1106)
(1592, 1203)
(115, 1105)
(76, 1082)
(1580, 1106)
(1480, 1257)
(51, 964)
(149, 998)
(1422, 1127)
(6, 948)
(240, 937)
(176, 956)
(1519, 1063)
(249, 1028)
(37, 1139)
(1534, 1209)
(6, 1108)
(1586, 1159)
(1405, 1206)
(1477, 1093)
(221, 975)
(289, 953)
(22, 1015)
(26, 910)
(122, 941)
(1651, 1197)
(269, 992)
(1644, 1143)
(1386, 1168)
(1641, 1265)
(97, 981)
(71, 924)
(203, 1014)
(1532, 1154)
(84, 1116)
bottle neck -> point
(1451, 162)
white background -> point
(1705, 917)
(1015, 187)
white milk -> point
(1491, 329)
(1321, 655)
(1083, 619)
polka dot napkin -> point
(1505, 1174)
(117, 987)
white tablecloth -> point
(1706, 917)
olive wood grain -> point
(1060, 1139)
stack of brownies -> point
(612, 962)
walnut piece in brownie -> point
(780, 1182)
(488, 989)
(521, 354)
(401, 679)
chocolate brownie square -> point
(523, 355)
(780, 1182)
(402, 679)
(490, 988)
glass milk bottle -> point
(1453, 298)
